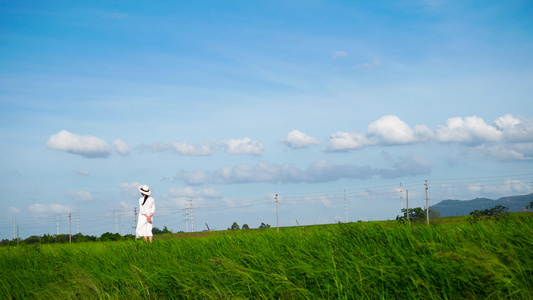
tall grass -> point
(485, 260)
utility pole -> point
(70, 228)
(18, 239)
(192, 217)
(427, 203)
(77, 221)
(187, 218)
(135, 216)
(14, 219)
(57, 224)
(277, 218)
(345, 208)
(401, 195)
(116, 221)
(407, 204)
(122, 211)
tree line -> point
(496, 213)
(107, 236)
(236, 226)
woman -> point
(146, 211)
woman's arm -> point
(151, 212)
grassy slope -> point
(352, 261)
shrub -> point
(495, 213)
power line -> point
(361, 194)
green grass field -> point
(366, 260)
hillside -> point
(448, 208)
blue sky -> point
(227, 104)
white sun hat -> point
(145, 190)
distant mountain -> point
(448, 208)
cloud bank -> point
(497, 140)
(232, 146)
(507, 138)
(320, 171)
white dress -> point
(144, 228)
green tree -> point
(496, 213)
(415, 215)
(235, 226)
(62, 238)
(32, 240)
(245, 226)
(156, 230)
(108, 236)
(6, 242)
(165, 230)
(47, 239)
(79, 238)
(530, 205)
(263, 226)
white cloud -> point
(467, 130)
(297, 139)
(507, 152)
(339, 54)
(130, 189)
(513, 187)
(185, 148)
(79, 195)
(492, 191)
(87, 146)
(49, 208)
(244, 173)
(83, 172)
(507, 122)
(121, 147)
(514, 129)
(242, 146)
(500, 141)
(343, 141)
(390, 130)
(319, 171)
(194, 178)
